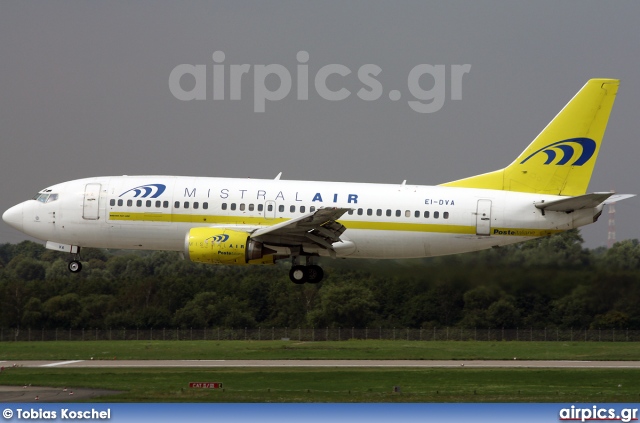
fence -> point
(321, 334)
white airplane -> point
(248, 221)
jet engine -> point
(225, 246)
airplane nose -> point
(14, 216)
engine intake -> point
(225, 246)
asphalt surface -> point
(327, 363)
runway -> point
(328, 363)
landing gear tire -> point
(298, 274)
(301, 274)
(314, 273)
(75, 266)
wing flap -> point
(319, 227)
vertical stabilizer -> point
(561, 158)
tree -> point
(613, 319)
(198, 312)
(503, 314)
(572, 311)
(344, 306)
(33, 315)
(28, 269)
(623, 255)
(64, 311)
(476, 304)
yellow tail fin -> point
(561, 158)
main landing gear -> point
(310, 273)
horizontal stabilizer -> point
(618, 197)
(586, 201)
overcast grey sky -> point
(84, 91)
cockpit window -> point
(41, 197)
(45, 198)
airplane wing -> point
(586, 201)
(319, 228)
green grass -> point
(333, 385)
(344, 385)
(344, 350)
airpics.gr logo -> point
(217, 238)
(568, 151)
(147, 191)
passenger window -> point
(417, 213)
(165, 204)
(312, 209)
(205, 205)
(280, 208)
(251, 207)
(407, 213)
(120, 202)
(398, 213)
(360, 211)
(389, 212)
(148, 203)
(158, 204)
(369, 212)
(292, 209)
(426, 215)
(445, 215)
(350, 212)
(302, 209)
(241, 206)
(233, 206)
(112, 202)
(196, 204)
(176, 205)
(436, 215)
(186, 204)
(260, 207)
(270, 207)
(379, 212)
(129, 203)
(224, 206)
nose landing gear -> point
(74, 265)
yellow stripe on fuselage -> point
(349, 224)
(193, 218)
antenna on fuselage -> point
(277, 178)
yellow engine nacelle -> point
(225, 246)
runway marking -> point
(451, 364)
(62, 363)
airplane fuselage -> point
(385, 221)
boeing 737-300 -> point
(249, 221)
